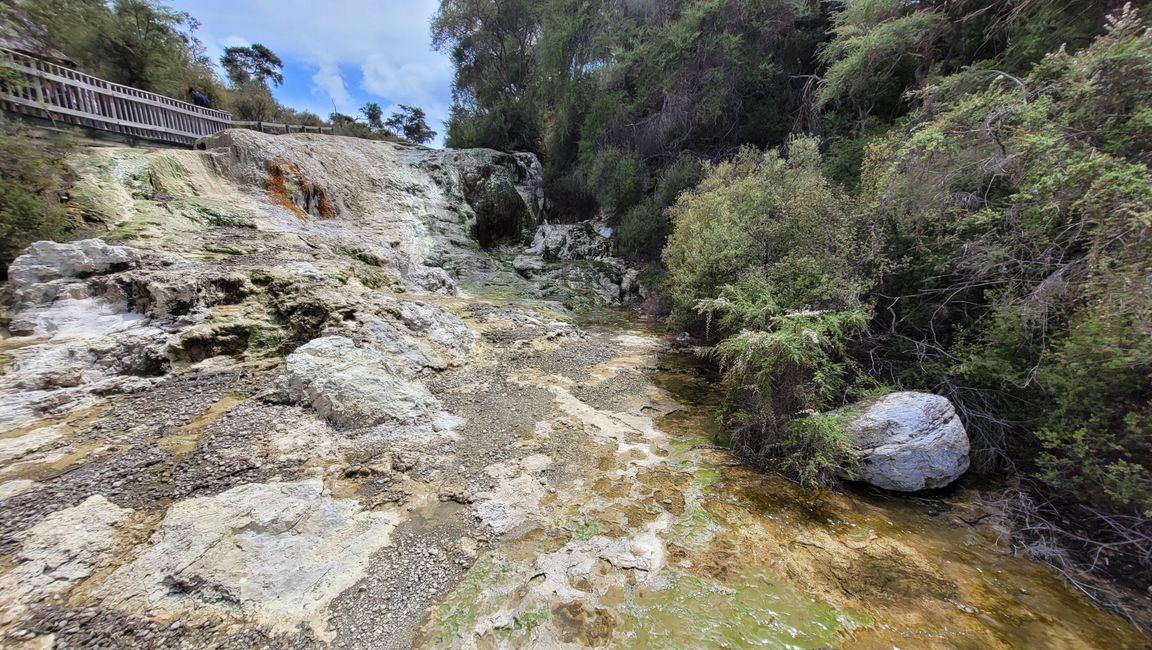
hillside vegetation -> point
(943, 196)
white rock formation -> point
(908, 441)
(64, 548)
(577, 241)
(43, 271)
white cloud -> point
(235, 41)
(328, 83)
(404, 81)
(387, 41)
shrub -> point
(618, 179)
(769, 256)
(780, 370)
(645, 227)
(816, 451)
(763, 211)
(32, 173)
(643, 230)
(1018, 217)
(253, 101)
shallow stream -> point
(668, 542)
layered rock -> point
(580, 258)
(278, 552)
(908, 441)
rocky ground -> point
(300, 395)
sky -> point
(338, 54)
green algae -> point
(705, 477)
(695, 526)
(209, 216)
(753, 609)
(130, 230)
(166, 176)
(522, 624)
(456, 617)
(583, 529)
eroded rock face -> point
(909, 441)
(409, 208)
(503, 190)
(34, 276)
(280, 552)
(580, 258)
(355, 386)
(569, 242)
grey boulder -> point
(355, 386)
(908, 441)
(563, 242)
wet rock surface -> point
(290, 401)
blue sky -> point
(341, 53)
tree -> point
(409, 121)
(252, 63)
(373, 114)
(252, 100)
(140, 43)
(493, 45)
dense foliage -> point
(1016, 215)
(615, 95)
(770, 252)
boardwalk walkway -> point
(44, 90)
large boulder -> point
(279, 552)
(908, 441)
(355, 386)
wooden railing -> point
(46, 90)
(281, 129)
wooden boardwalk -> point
(44, 90)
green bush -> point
(618, 178)
(768, 255)
(645, 226)
(253, 101)
(816, 451)
(32, 174)
(781, 369)
(775, 214)
(642, 231)
(1018, 234)
(681, 176)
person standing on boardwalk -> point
(199, 98)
